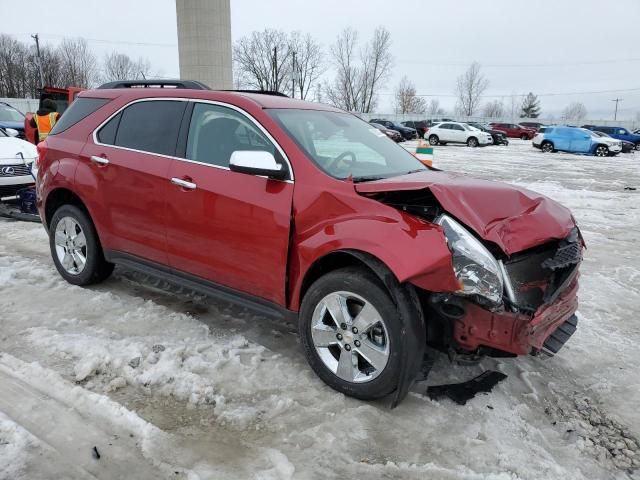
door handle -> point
(99, 160)
(183, 183)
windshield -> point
(342, 145)
(10, 114)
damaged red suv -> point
(300, 209)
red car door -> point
(227, 227)
(129, 162)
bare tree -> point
(263, 60)
(346, 90)
(13, 68)
(119, 66)
(407, 101)
(493, 109)
(377, 62)
(306, 64)
(469, 88)
(79, 64)
(434, 108)
(359, 74)
(574, 111)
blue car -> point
(11, 118)
(620, 133)
(575, 140)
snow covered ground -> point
(166, 384)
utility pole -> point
(274, 86)
(293, 75)
(615, 115)
(37, 39)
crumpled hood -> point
(512, 217)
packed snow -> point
(169, 384)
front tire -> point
(472, 142)
(602, 151)
(433, 139)
(524, 137)
(350, 332)
(75, 247)
(638, 146)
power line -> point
(102, 40)
(524, 94)
(521, 65)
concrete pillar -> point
(204, 41)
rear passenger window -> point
(107, 134)
(216, 132)
(150, 126)
(79, 109)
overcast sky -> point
(559, 47)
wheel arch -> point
(62, 196)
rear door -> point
(562, 139)
(458, 133)
(445, 134)
(227, 227)
(130, 162)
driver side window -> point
(215, 132)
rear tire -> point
(546, 147)
(75, 247)
(433, 139)
(339, 355)
(638, 146)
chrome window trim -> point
(193, 100)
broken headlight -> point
(475, 267)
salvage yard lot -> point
(165, 381)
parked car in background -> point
(16, 159)
(421, 126)
(515, 131)
(11, 117)
(406, 132)
(499, 137)
(575, 140)
(620, 133)
(456, 132)
(534, 125)
(627, 147)
(392, 134)
(360, 243)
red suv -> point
(302, 210)
(515, 131)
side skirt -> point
(200, 285)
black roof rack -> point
(260, 92)
(188, 84)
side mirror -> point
(256, 162)
(12, 132)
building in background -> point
(204, 41)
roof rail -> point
(260, 92)
(188, 84)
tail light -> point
(42, 151)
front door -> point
(227, 227)
(129, 164)
(580, 141)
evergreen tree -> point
(530, 107)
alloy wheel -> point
(350, 337)
(547, 147)
(473, 142)
(71, 245)
(602, 151)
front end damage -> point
(516, 255)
